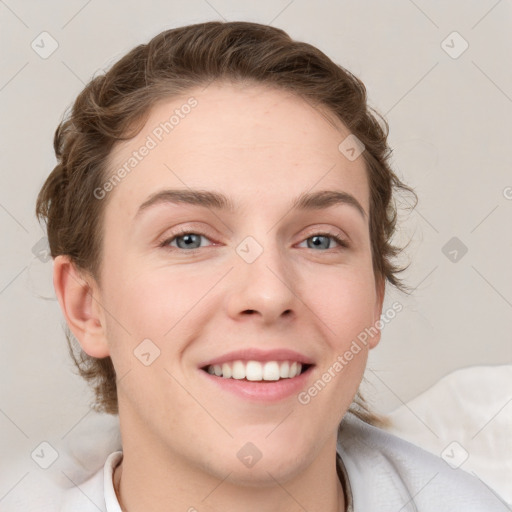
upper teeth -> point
(254, 370)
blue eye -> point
(190, 241)
(185, 240)
(323, 240)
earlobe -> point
(76, 296)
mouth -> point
(258, 375)
(257, 371)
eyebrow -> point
(209, 199)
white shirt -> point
(379, 473)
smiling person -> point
(220, 220)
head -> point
(242, 110)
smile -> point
(256, 370)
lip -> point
(265, 391)
(255, 354)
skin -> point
(180, 435)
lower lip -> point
(264, 391)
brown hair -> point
(115, 105)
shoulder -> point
(95, 494)
(384, 469)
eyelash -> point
(165, 243)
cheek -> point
(344, 301)
(154, 305)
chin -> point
(266, 471)
(261, 463)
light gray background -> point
(450, 128)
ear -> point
(380, 288)
(78, 297)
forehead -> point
(246, 140)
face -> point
(188, 281)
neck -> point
(141, 488)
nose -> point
(264, 288)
